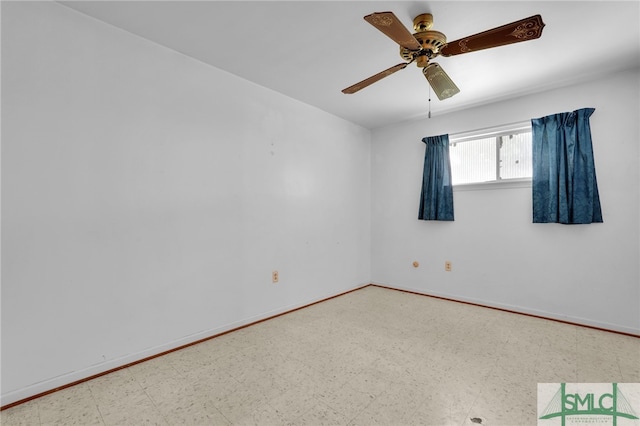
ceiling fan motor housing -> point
(431, 41)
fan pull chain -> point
(429, 115)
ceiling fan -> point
(426, 44)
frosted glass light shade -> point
(440, 82)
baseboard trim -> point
(512, 311)
(230, 329)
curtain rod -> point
(521, 126)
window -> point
(491, 155)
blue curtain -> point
(564, 177)
(436, 198)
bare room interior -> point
(200, 227)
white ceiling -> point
(311, 50)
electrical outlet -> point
(274, 276)
(447, 266)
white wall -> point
(146, 198)
(582, 273)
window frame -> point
(492, 132)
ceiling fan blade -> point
(369, 81)
(391, 26)
(440, 82)
(515, 32)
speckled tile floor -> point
(373, 356)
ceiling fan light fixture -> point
(426, 44)
(441, 83)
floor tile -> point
(293, 404)
(135, 409)
(23, 414)
(347, 401)
(321, 415)
(69, 406)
